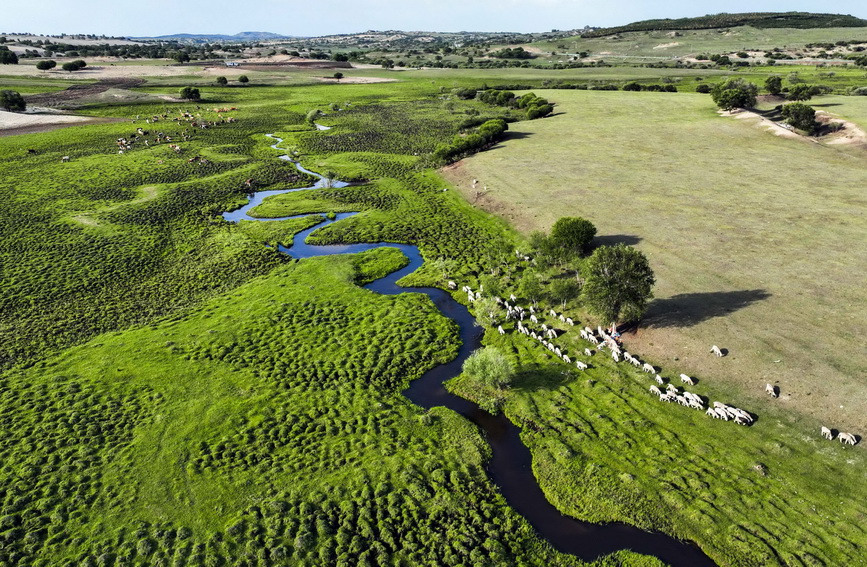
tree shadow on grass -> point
(689, 309)
(535, 377)
(612, 239)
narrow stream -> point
(510, 465)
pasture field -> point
(755, 239)
(174, 392)
(664, 44)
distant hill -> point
(203, 38)
(799, 20)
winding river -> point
(510, 465)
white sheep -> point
(501, 330)
(771, 390)
(847, 438)
(716, 350)
(687, 380)
(452, 285)
(827, 433)
(659, 380)
(581, 365)
(648, 368)
(588, 352)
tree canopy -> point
(774, 84)
(491, 367)
(572, 234)
(243, 79)
(801, 116)
(618, 283)
(222, 81)
(46, 65)
(190, 93)
(12, 101)
(8, 57)
(734, 93)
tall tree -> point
(734, 93)
(12, 101)
(618, 283)
(774, 84)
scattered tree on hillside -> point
(190, 93)
(564, 289)
(774, 84)
(703, 88)
(572, 234)
(801, 92)
(222, 81)
(46, 65)
(81, 63)
(490, 366)
(734, 93)
(618, 283)
(243, 79)
(12, 101)
(530, 286)
(800, 116)
(338, 75)
(488, 311)
(181, 57)
(8, 57)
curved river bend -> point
(510, 465)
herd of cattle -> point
(527, 323)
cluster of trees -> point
(12, 101)
(734, 93)
(488, 133)
(74, 65)
(634, 86)
(512, 53)
(535, 106)
(7, 56)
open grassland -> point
(176, 393)
(756, 240)
(665, 44)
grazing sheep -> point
(583, 334)
(512, 298)
(655, 390)
(452, 285)
(500, 330)
(667, 397)
(570, 322)
(711, 412)
(771, 390)
(566, 359)
(553, 313)
(470, 297)
(672, 388)
(827, 433)
(544, 327)
(557, 352)
(593, 340)
(532, 309)
(635, 362)
(696, 405)
(552, 333)
(562, 318)
(64, 159)
(716, 350)
(648, 368)
(588, 352)
(721, 414)
(847, 438)
(687, 380)
(659, 380)
(741, 421)
(615, 356)
(582, 365)
(534, 319)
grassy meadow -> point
(754, 238)
(174, 392)
(666, 44)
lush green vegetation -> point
(761, 20)
(175, 392)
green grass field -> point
(664, 44)
(745, 230)
(174, 392)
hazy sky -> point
(321, 17)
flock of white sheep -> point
(602, 340)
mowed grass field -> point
(757, 241)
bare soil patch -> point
(14, 123)
(76, 92)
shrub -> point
(800, 116)
(46, 65)
(12, 101)
(704, 88)
(222, 81)
(190, 93)
(572, 234)
(243, 79)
